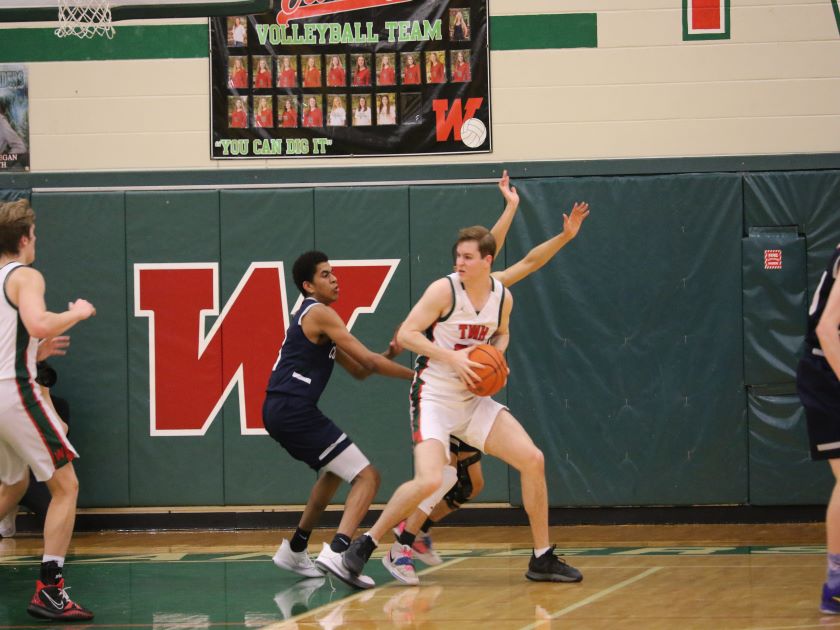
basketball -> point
(473, 133)
(493, 371)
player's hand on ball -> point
(573, 221)
(463, 366)
(83, 308)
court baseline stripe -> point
(595, 597)
(291, 622)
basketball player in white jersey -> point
(462, 310)
(465, 461)
(31, 433)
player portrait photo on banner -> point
(386, 78)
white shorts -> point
(349, 463)
(469, 420)
(31, 434)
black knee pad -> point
(461, 491)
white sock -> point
(539, 552)
(57, 559)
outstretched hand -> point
(573, 221)
(508, 192)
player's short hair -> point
(305, 267)
(16, 220)
(481, 235)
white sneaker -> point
(296, 561)
(7, 524)
(297, 595)
(330, 561)
(400, 563)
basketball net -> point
(84, 19)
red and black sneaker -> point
(51, 602)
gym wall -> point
(652, 359)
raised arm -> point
(436, 301)
(500, 230)
(25, 287)
(827, 329)
(351, 353)
(546, 250)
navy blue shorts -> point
(300, 428)
(819, 391)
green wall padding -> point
(775, 309)
(81, 250)
(781, 470)
(626, 349)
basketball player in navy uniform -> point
(315, 340)
(31, 433)
(465, 460)
(818, 384)
(456, 313)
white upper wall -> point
(773, 88)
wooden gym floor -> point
(662, 576)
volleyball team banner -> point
(351, 78)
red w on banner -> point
(450, 123)
(192, 372)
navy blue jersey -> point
(303, 368)
(821, 298)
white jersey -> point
(462, 327)
(17, 348)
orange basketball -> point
(493, 371)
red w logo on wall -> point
(192, 370)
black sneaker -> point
(357, 554)
(51, 602)
(550, 568)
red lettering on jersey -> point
(462, 328)
(477, 331)
(191, 372)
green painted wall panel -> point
(181, 41)
(437, 213)
(558, 30)
(81, 252)
(625, 350)
(169, 227)
(359, 223)
(269, 225)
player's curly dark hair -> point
(305, 266)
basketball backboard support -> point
(47, 10)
